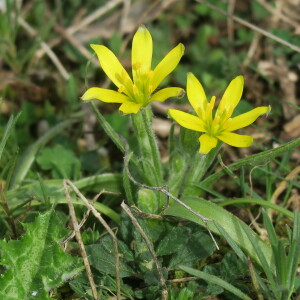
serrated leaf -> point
(36, 263)
(62, 162)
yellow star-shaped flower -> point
(136, 93)
(220, 125)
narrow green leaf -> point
(255, 159)
(25, 161)
(228, 221)
(36, 264)
(8, 129)
(259, 202)
(216, 280)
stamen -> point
(135, 89)
(121, 89)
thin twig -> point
(166, 192)
(280, 15)
(46, 48)
(7, 211)
(251, 26)
(230, 23)
(109, 230)
(94, 16)
(151, 250)
(80, 242)
(186, 279)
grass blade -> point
(216, 280)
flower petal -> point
(166, 66)
(142, 48)
(166, 93)
(196, 94)
(187, 120)
(112, 66)
(207, 143)
(236, 140)
(104, 95)
(129, 107)
(232, 96)
(247, 118)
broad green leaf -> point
(228, 221)
(36, 264)
(101, 257)
(172, 242)
(199, 246)
(62, 162)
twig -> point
(151, 250)
(109, 230)
(281, 16)
(166, 192)
(84, 218)
(85, 22)
(251, 26)
(46, 48)
(186, 279)
(80, 242)
(94, 16)
(230, 23)
(7, 211)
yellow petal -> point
(207, 143)
(111, 66)
(232, 96)
(196, 94)
(166, 66)
(141, 54)
(130, 107)
(236, 140)
(104, 95)
(166, 93)
(247, 118)
(187, 120)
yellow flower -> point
(220, 125)
(136, 93)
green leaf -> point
(62, 162)
(25, 161)
(9, 127)
(173, 241)
(199, 246)
(228, 221)
(256, 159)
(216, 280)
(101, 257)
(36, 264)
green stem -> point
(199, 165)
(148, 148)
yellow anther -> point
(150, 74)
(121, 89)
(124, 75)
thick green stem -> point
(149, 152)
